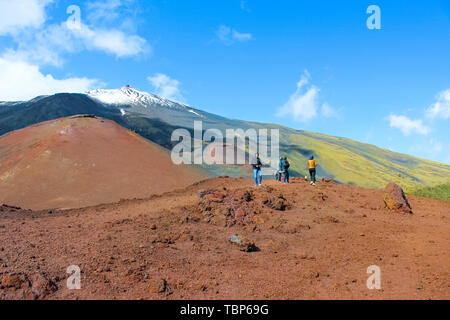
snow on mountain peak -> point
(128, 95)
(136, 99)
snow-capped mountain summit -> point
(128, 95)
(128, 99)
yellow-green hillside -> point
(365, 165)
(438, 192)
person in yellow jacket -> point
(312, 164)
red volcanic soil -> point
(298, 242)
(82, 161)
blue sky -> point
(311, 65)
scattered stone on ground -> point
(245, 245)
(157, 286)
(395, 199)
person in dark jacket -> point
(286, 166)
(257, 173)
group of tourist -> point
(282, 172)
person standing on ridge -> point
(257, 165)
(279, 169)
(312, 164)
(286, 169)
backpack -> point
(286, 164)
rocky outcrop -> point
(241, 206)
(395, 199)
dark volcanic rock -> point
(395, 199)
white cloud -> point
(17, 15)
(302, 104)
(112, 41)
(22, 81)
(49, 42)
(229, 36)
(408, 126)
(21, 77)
(48, 45)
(105, 10)
(166, 87)
(123, 13)
(329, 112)
(441, 108)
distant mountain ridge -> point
(155, 118)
